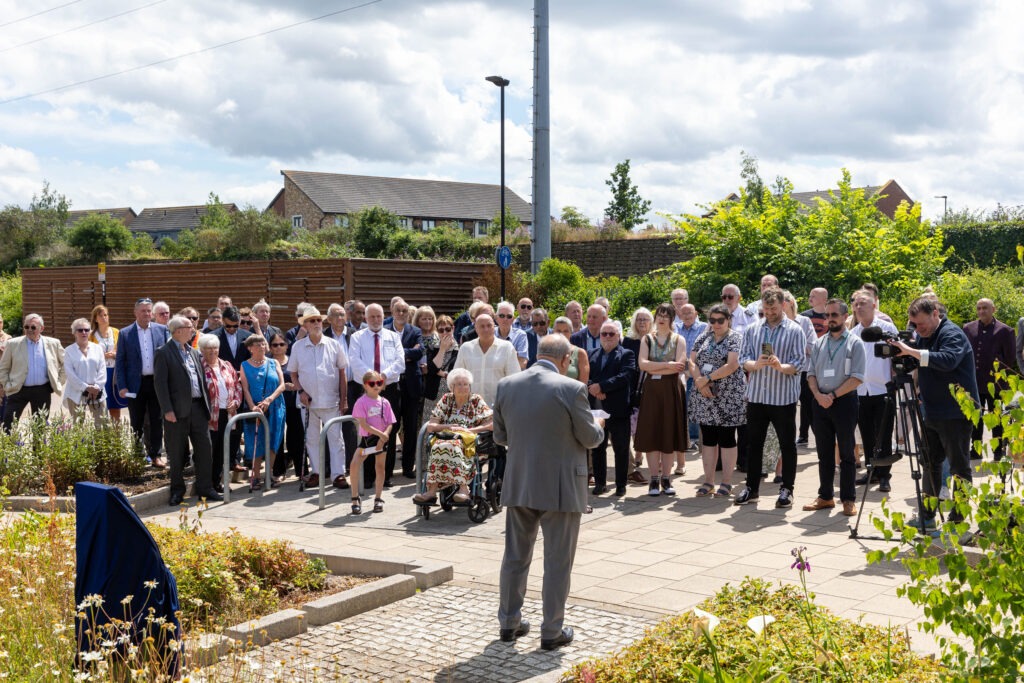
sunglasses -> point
(85, 331)
(716, 321)
(247, 323)
(444, 330)
(32, 328)
(505, 316)
(375, 383)
(193, 318)
(525, 307)
(728, 296)
(315, 320)
(143, 300)
(279, 344)
(609, 334)
(539, 323)
(229, 326)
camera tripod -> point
(902, 409)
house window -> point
(427, 224)
(406, 223)
(341, 221)
(297, 221)
(481, 228)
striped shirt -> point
(768, 385)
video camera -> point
(901, 364)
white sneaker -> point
(944, 493)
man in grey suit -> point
(544, 418)
(181, 390)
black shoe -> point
(598, 490)
(741, 468)
(211, 496)
(802, 441)
(785, 498)
(885, 486)
(777, 480)
(745, 496)
(620, 491)
(863, 479)
(508, 635)
(408, 474)
(387, 483)
(562, 639)
(176, 499)
(219, 488)
(666, 487)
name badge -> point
(707, 369)
(829, 373)
(847, 367)
(655, 376)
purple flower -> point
(801, 563)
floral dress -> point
(449, 464)
(728, 408)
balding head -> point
(596, 314)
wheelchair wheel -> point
(478, 510)
(446, 502)
(494, 496)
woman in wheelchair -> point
(457, 418)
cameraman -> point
(946, 358)
(871, 394)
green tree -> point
(627, 207)
(373, 230)
(98, 236)
(253, 232)
(574, 218)
(512, 223)
(24, 233)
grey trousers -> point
(561, 530)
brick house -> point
(168, 221)
(310, 199)
(890, 192)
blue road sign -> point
(504, 257)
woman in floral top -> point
(459, 411)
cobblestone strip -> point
(449, 633)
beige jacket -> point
(14, 364)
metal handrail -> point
(268, 466)
(421, 462)
(323, 452)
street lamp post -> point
(945, 199)
(501, 83)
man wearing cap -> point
(317, 366)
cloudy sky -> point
(928, 92)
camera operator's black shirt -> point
(949, 360)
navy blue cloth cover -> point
(116, 557)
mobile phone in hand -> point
(767, 350)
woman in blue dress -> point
(262, 388)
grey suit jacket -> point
(544, 418)
(171, 381)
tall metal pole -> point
(541, 242)
(503, 184)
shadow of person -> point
(506, 662)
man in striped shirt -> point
(773, 355)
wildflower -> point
(150, 584)
(91, 656)
(801, 563)
(703, 622)
(757, 624)
(127, 600)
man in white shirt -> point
(680, 297)
(754, 307)
(515, 336)
(317, 366)
(377, 348)
(731, 298)
(488, 358)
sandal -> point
(255, 484)
(705, 490)
(724, 490)
(425, 498)
(378, 505)
(357, 506)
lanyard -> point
(841, 344)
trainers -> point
(802, 441)
(785, 498)
(746, 496)
(915, 522)
(655, 489)
(666, 487)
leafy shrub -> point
(960, 292)
(640, 290)
(791, 645)
(66, 452)
(10, 302)
(982, 244)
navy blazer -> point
(580, 338)
(241, 355)
(412, 341)
(128, 363)
(531, 347)
(617, 379)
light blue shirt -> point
(691, 333)
(36, 364)
(518, 340)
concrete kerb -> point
(426, 574)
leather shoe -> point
(176, 499)
(620, 491)
(508, 635)
(211, 496)
(849, 508)
(637, 478)
(598, 490)
(564, 638)
(885, 486)
(820, 504)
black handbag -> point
(485, 443)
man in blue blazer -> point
(612, 377)
(233, 350)
(588, 337)
(411, 390)
(134, 366)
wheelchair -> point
(484, 495)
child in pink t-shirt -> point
(376, 418)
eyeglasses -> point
(505, 316)
(609, 334)
(728, 296)
(31, 328)
(279, 344)
(375, 383)
(85, 331)
(247, 323)
(525, 307)
(444, 330)
(319, 321)
(716, 321)
(539, 323)
(193, 318)
(229, 326)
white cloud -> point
(144, 166)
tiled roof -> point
(171, 218)
(807, 198)
(124, 214)
(337, 193)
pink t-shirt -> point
(377, 413)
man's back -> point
(545, 420)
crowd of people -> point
(666, 381)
